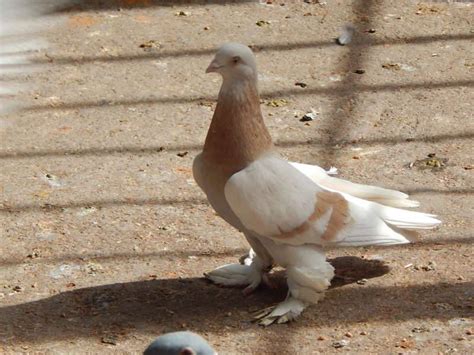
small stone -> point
(182, 154)
(359, 71)
(361, 281)
(469, 332)
(321, 338)
(461, 338)
(349, 335)
(340, 343)
(371, 30)
(181, 13)
(363, 332)
(17, 288)
(207, 28)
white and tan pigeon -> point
(288, 212)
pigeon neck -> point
(237, 135)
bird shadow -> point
(162, 305)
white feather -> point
(372, 193)
(271, 197)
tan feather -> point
(339, 219)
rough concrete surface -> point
(105, 235)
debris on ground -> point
(93, 268)
(431, 162)
(310, 116)
(398, 66)
(182, 154)
(359, 71)
(84, 211)
(205, 103)
(421, 329)
(51, 180)
(428, 9)
(340, 343)
(109, 339)
(261, 23)
(149, 45)
(276, 103)
(301, 85)
(64, 270)
(406, 343)
(182, 13)
(346, 35)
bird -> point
(180, 343)
(23, 24)
(289, 212)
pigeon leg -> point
(233, 275)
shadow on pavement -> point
(166, 304)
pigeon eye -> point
(235, 59)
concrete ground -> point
(105, 235)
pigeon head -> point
(179, 343)
(234, 61)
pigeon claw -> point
(266, 317)
(284, 312)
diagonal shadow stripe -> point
(152, 150)
(343, 90)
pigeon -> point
(289, 212)
(22, 26)
(180, 343)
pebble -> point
(359, 71)
(363, 332)
(349, 335)
(362, 281)
(469, 332)
(321, 338)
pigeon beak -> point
(213, 67)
